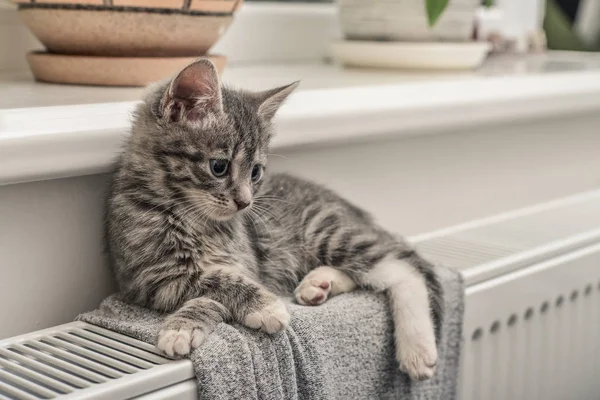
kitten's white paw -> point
(322, 283)
(312, 292)
(418, 358)
(179, 342)
(272, 318)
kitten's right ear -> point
(193, 93)
(271, 100)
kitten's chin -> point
(222, 216)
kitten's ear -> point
(271, 100)
(193, 93)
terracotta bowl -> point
(109, 71)
(128, 31)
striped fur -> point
(178, 244)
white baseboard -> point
(261, 32)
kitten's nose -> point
(241, 204)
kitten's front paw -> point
(418, 358)
(273, 317)
(179, 342)
(312, 292)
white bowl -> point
(407, 55)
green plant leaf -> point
(488, 3)
(559, 32)
(434, 9)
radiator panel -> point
(532, 312)
(534, 334)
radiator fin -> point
(71, 359)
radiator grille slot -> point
(544, 351)
(72, 358)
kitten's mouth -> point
(226, 214)
(210, 208)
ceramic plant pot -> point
(406, 20)
(122, 42)
(125, 31)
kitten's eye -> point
(219, 167)
(257, 173)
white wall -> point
(418, 184)
(51, 260)
(15, 40)
(50, 232)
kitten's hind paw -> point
(179, 342)
(418, 359)
(271, 318)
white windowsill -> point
(51, 131)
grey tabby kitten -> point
(196, 230)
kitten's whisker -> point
(189, 207)
(165, 203)
(270, 198)
(258, 217)
(284, 212)
(201, 219)
(199, 207)
(267, 211)
(248, 216)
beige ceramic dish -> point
(102, 31)
(109, 71)
(411, 55)
(205, 6)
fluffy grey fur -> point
(207, 249)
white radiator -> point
(531, 330)
(532, 312)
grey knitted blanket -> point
(342, 349)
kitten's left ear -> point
(193, 93)
(271, 100)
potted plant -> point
(413, 34)
(408, 20)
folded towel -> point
(342, 349)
